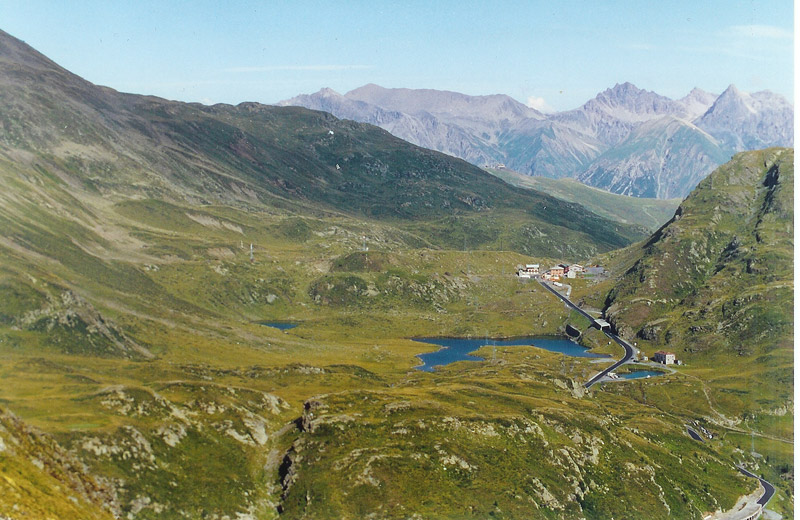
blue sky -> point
(554, 54)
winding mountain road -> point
(769, 489)
(629, 350)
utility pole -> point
(502, 263)
(465, 252)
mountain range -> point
(625, 140)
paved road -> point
(627, 357)
(550, 288)
(769, 489)
(629, 350)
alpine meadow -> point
(396, 303)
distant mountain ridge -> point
(626, 140)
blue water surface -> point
(640, 374)
(458, 349)
(279, 325)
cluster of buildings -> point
(572, 271)
(563, 271)
(528, 271)
(553, 274)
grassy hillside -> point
(41, 480)
(649, 213)
(440, 449)
(717, 279)
(258, 157)
(132, 327)
(139, 322)
(715, 286)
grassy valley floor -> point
(166, 384)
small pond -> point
(458, 349)
(282, 325)
(639, 374)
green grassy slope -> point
(256, 156)
(506, 440)
(717, 279)
(715, 285)
(650, 213)
(138, 322)
(130, 329)
(39, 479)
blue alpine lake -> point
(282, 325)
(458, 349)
(639, 374)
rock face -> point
(697, 102)
(660, 158)
(613, 113)
(161, 434)
(77, 327)
(743, 121)
(626, 140)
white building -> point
(667, 358)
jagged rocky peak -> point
(730, 96)
(750, 121)
(613, 132)
(328, 92)
(697, 102)
(732, 90)
(756, 102)
(626, 100)
(698, 94)
(769, 96)
(622, 90)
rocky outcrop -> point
(77, 326)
